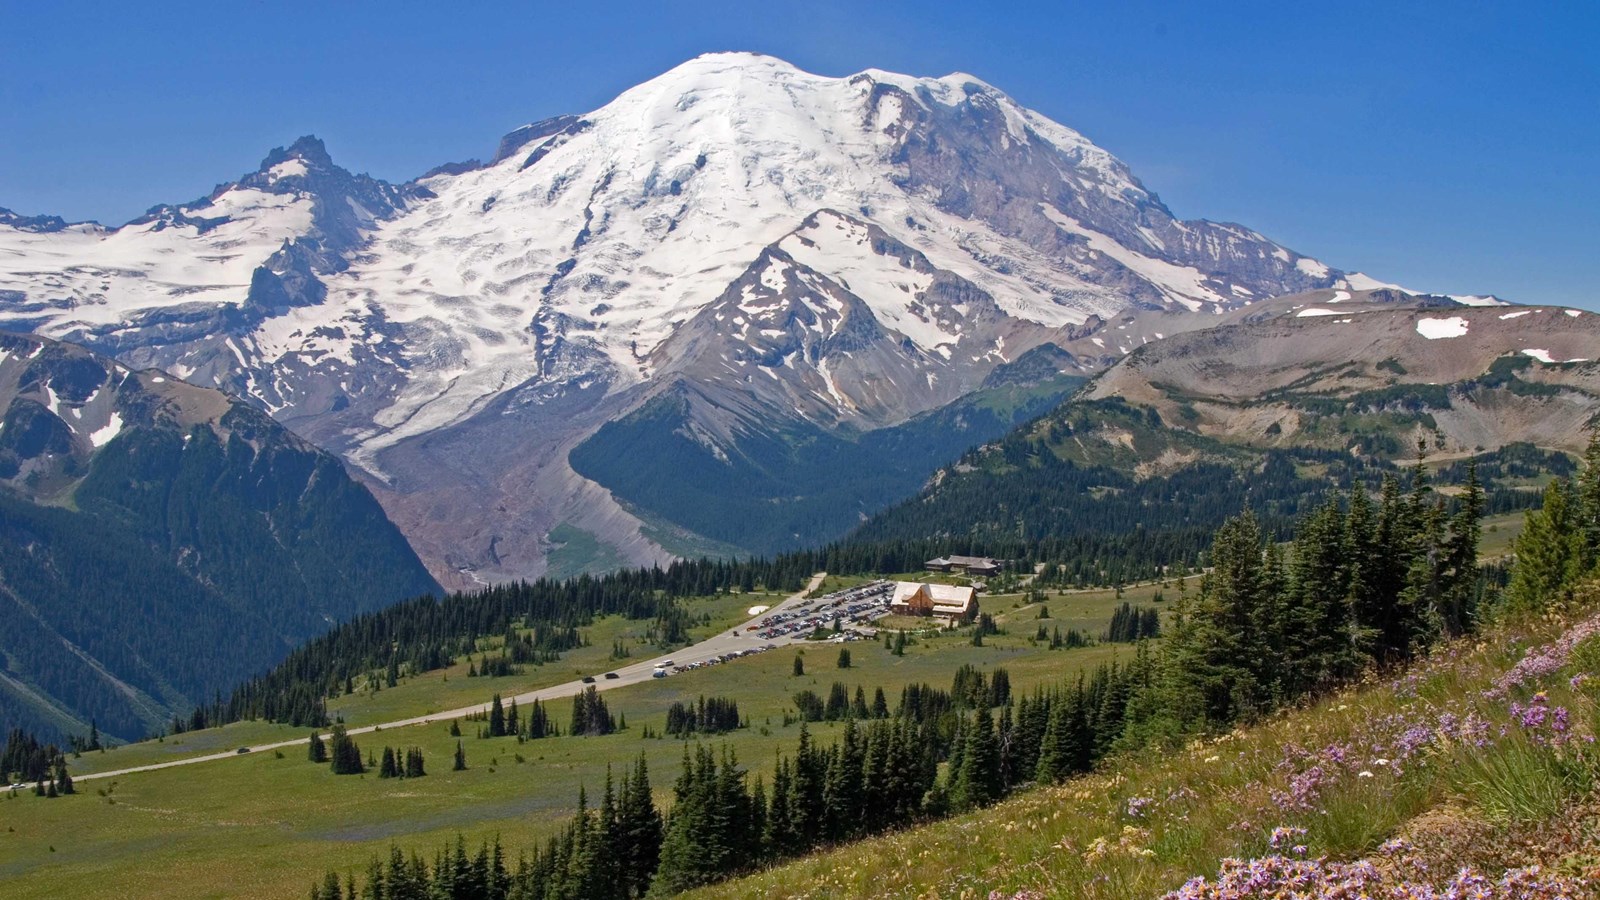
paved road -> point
(633, 673)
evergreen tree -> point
(1459, 578)
(805, 791)
(779, 833)
(344, 755)
(539, 724)
(497, 718)
(640, 829)
(841, 787)
(415, 767)
(1234, 650)
(1587, 502)
(330, 889)
(880, 704)
(700, 841)
(1364, 581)
(590, 716)
(1314, 626)
(977, 783)
(605, 879)
(999, 688)
(316, 750)
(838, 706)
(388, 768)
(1549, 553)
(460, 764)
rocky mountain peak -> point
(36, 224)
(309, 149)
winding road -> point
(633, 673)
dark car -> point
(588, 679)
(612, 675)
(242, 750)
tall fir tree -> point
(1549, 553)
(1587, 501)
(977, 783)
(497, 718)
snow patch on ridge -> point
(1311, 267)
(1434, 329)
(101, 436)
(289, 168)
(1360, 281)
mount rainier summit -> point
(766, 248)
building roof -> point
(947, 598)
(963, 561)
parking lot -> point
(856, 606)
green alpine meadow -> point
(806, 450)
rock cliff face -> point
(833, 253)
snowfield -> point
(1434, 329)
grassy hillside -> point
(260, 826)
(1480, 756)
(1115, 491)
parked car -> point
(588, 679)
(242, 750)
(611, 675)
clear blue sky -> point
(1446, 146)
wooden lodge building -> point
(972, 565)
(940, 601)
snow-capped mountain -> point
(849, 252)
